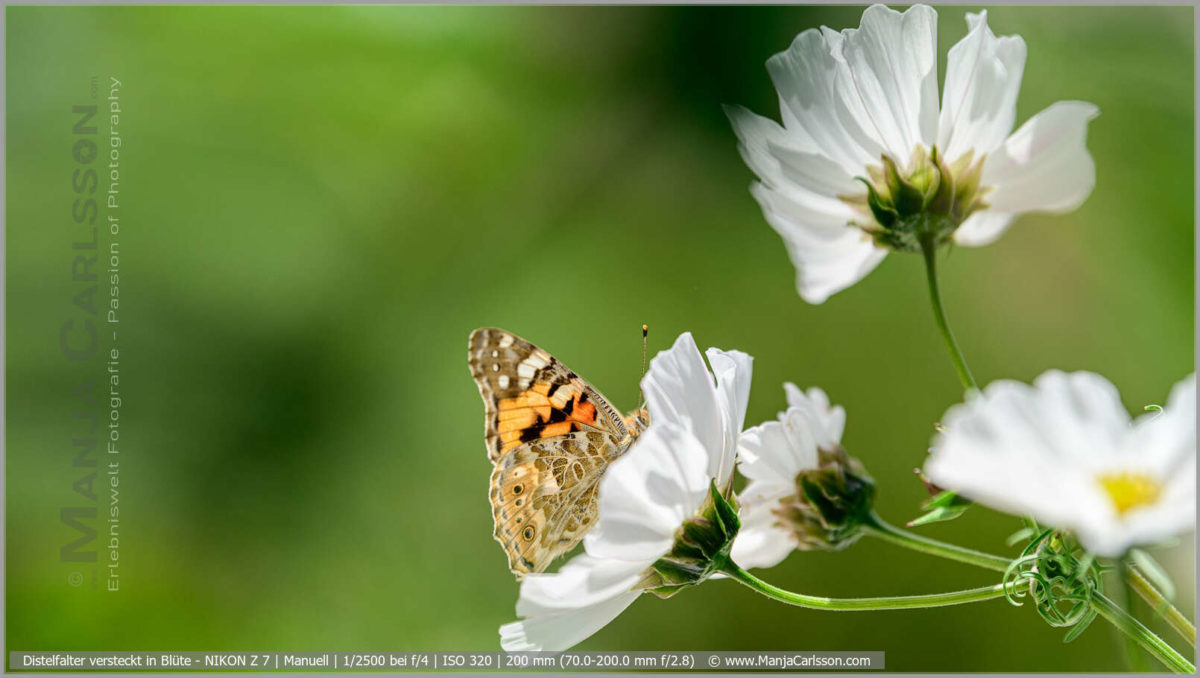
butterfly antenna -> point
(645, 331)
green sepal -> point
(832, 503)
(726, 511)
(705, 536)
(881, 208)
(665, 592)
(829, 512)
(946, 505)
(921, 206)
(679, 571)
(907, 198)
(701, 549)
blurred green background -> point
(321, 203)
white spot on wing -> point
(503, 381)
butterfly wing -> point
(551, 436)
(528, 395)
(543, 496)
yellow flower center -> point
(1130, 490)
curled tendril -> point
(1058, 578)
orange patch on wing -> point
(583, 412)
(526, 419)
(533, 415)
(528, 404)
(562, 428)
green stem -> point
(1134, 656)
(862, 604)
(880, 528)
(1142, 586)
(939, 315)
(1131, 627)
(1106, 608)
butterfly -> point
(550, 437)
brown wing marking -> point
(543, 496)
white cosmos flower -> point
(1065, 451)
(771, 456)
(850, 99)
(645, 496)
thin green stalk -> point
(880, 528)
(1106, 608)
(862, 604)
(939, 315)
(1133, 577)
(1159, 603)
(1133, 628)
(1134, 657)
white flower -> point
(853, 101)
(1065, 451)
(645, 496)
(771, 456)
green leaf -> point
(945, 505)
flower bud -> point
(923, 204)
(831, 504)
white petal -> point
(892, 58)
(826, 421)
(1080, 415)
(564, 630)
(769, 491)
(761, 542)
(733, 370)
(774, 453)
(766, 454)
(680, 390)
(802, 198)
(647, 494)
(1043, 449)
(982, 228)
(983, 78)
(564, 608)
(829, 255)
(1166, 441)
(582, 582)
(1072, 417)
(806, 77)
(1007, 479)
(1044, 165)
(1009, 446)
(777, 451)
(1173, 514)
(774, 156)
(816, 180)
